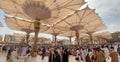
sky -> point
(108, 10)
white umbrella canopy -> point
(22, 25)
(85, 20)
(68, 34)
(81, 21)
(93, 28)
(54, 31)
(45, 11)
(48, 11)
(116, 36)
(72, 34)
(106, 35)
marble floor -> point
(37, 59)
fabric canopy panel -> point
(57, 8)
(54, 31)
(72, 34)
(106, 35)
(94, 28)
(85, 20)
(68, 34)
(22, 25)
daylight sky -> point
(108, 10)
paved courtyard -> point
(37, 59)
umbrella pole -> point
(70, 40)
(77, 36)
(81, 39)
(99, 40)
(55, 40)
(91, 39)
(36, 29)
(27, 37)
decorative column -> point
(90, 35)
(36, 29)
(41, 12)
(27, 37)
(77, 28)
(91, 39)
(70, 39)
(98, 40)
(28, 31)
(81, 40)
(55, 38)
(77, 36)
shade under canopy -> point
(58, 8)
(106, 35)
(22, 25)
(72, 34)
(86, 18)
(81, 21)
(54, 31)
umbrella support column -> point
(70, 38)
(81, 40)
(91, 39)
(77, 36)
(27, 37)
(55, 38)
(99, 40)
(28, 31)
(36, 29)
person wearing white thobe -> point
(106, 52)
(13, 56)
(28, 58)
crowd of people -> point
(89, 53)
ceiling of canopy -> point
(106, 35)
(57, 8)
(85, 21)
(63, 16)
(22, 25)
(54, 31)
